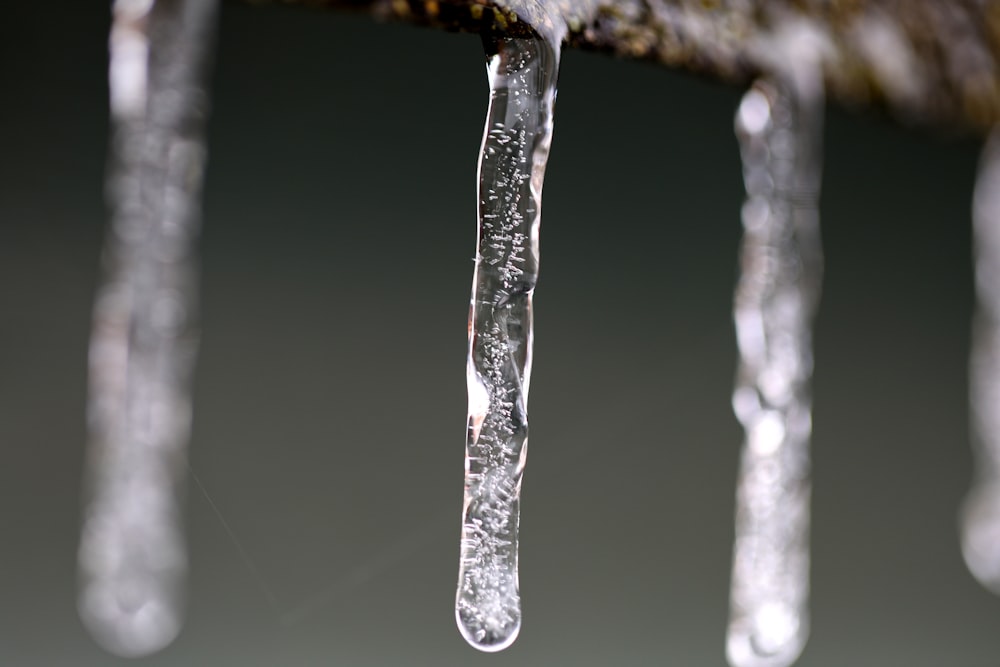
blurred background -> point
(330, 394)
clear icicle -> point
(522, 76)
(132, 555)
(980, 522)
(779, 131)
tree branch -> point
(928, 62)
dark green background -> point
(330, 394)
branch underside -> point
(927, 62)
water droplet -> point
(779, 133)
(132, 557)
(522, 75)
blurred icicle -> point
(779, 126)
(980, 521)
(132, 555)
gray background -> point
(330, 397)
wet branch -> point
(929, 62)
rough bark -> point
(928, 62)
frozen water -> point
(781, 265)
(132, 556)
(522, 76)
(980, 521)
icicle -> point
(522, 76)
(779, 130)
(132, 555)
(981, 513)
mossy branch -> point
(928, 62)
